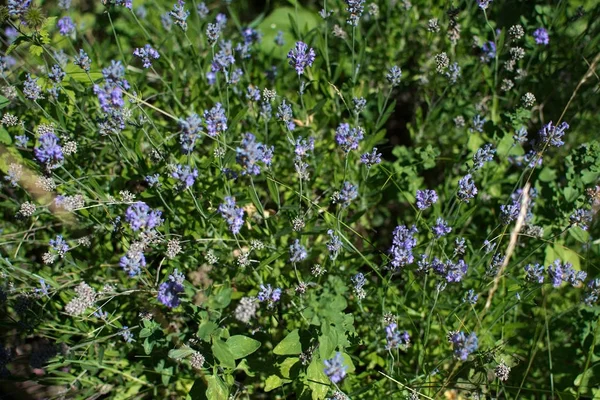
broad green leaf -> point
(223, 354)
(316, 379)
(579, 234)
(240, 346)
(206, 329)
(36, 50)
(290, 345)
(567, 255)
(178, 354)
(273, 382)
(5, 136)
(216, 389)
(279, 20)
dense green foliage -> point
(273, 257)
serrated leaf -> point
(242, 346)
(290, 345)
(36, 50)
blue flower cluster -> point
(463, 345)
(216, 120)
(234, 216)
(185, 175)
(49, 151)
(268, 294)
(168, 292)
(301, 57)
(147, 54)
(190, 132)
(347, 138)
(403, 243)
(395, 338)
(426, 198)
(140, 216)
(559, 273)
(335, 368)
(297, 252)
(251, 152)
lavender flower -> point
(551, 135)
(202, 10)
(180, 14)
(16, 8)
(216, 120)
(335, 368)
(186, 176)
(251, 152)
(168, 292)
(49, 151)
(450, 271)
(213, 31)
(460, 247)
(359, 104)
(21, 140)
(65, 26)
(140, 216)
(372, 158)
(441, 228)
(31, 89)
(581, 218)
(147, 54)
(126, 334)
(560, 272)
(348, 193)
(301, 57)
(426, 198)
(268, 294)
(297, 252)
(478, 122)
(132, 262)
(534, 273)
(190, 132)
(232, 214)
(59, 245)
(471, 297)
(466, 188)
(395, 338)
(463, 345)
(348, 139)
(483, 155)
(520, 135)
(488, 51)
(83, 61)
(279, 41)
(484, 4)
(166, 21)
(356, 9)
(284, 114)
(334, 245)
(403, 242)
(394, 76)
(592, 292)
(541, 36)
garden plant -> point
(339, 199)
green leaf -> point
(36, 50)
(146, 332)
(148, 346)
(206, 329)
(567, 255)
(241, 346)
(178, 354)
(4, 102)
(290, 345)
(273, 382)
(274, 191)
(223, 354)
(279, 20)
(5, 136)
(216, 389)
(316, 379)
(570, 194)
(579, 234)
